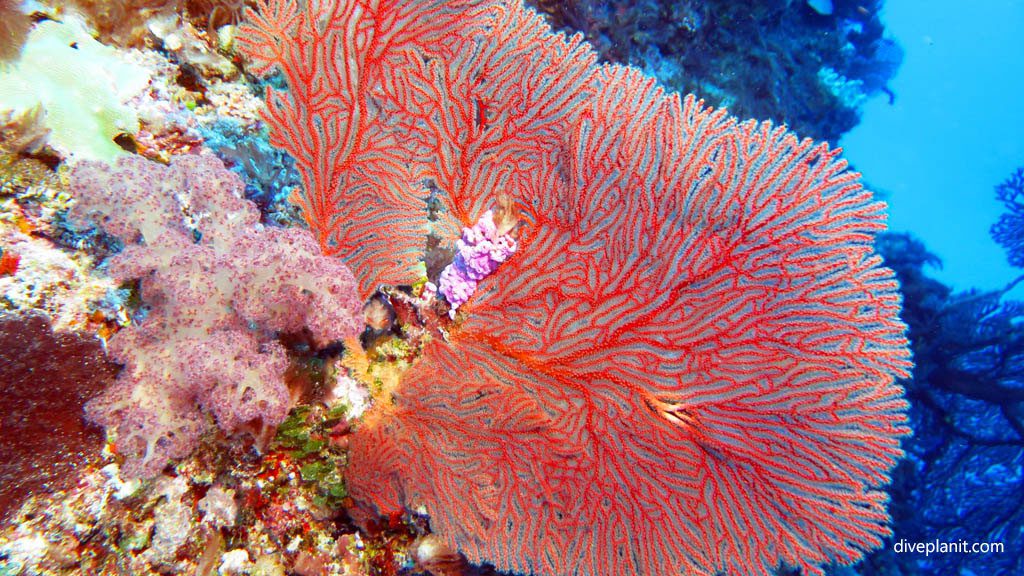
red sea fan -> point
(417, 99)
(689, 361)
(362, 193)
(695, 368)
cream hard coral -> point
(80, 84)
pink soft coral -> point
(219, 287)
(480, 251)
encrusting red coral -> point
(220, 287)
(8, 262)
(45, 378)
(689, 361)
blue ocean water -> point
(954, 131)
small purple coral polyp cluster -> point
(220, 287)
(479, 253)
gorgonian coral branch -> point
(688, 361)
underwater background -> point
(190, 374)
(935, 141)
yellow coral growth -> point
(380, 374)
(18, 174)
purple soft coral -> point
(216, 303)
(480, 251)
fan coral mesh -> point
(690, 359)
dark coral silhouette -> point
(1008, 231)
(963, 479)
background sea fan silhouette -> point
(689, 361)
(1008, 231)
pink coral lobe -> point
(208, 343)
(478, 254)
